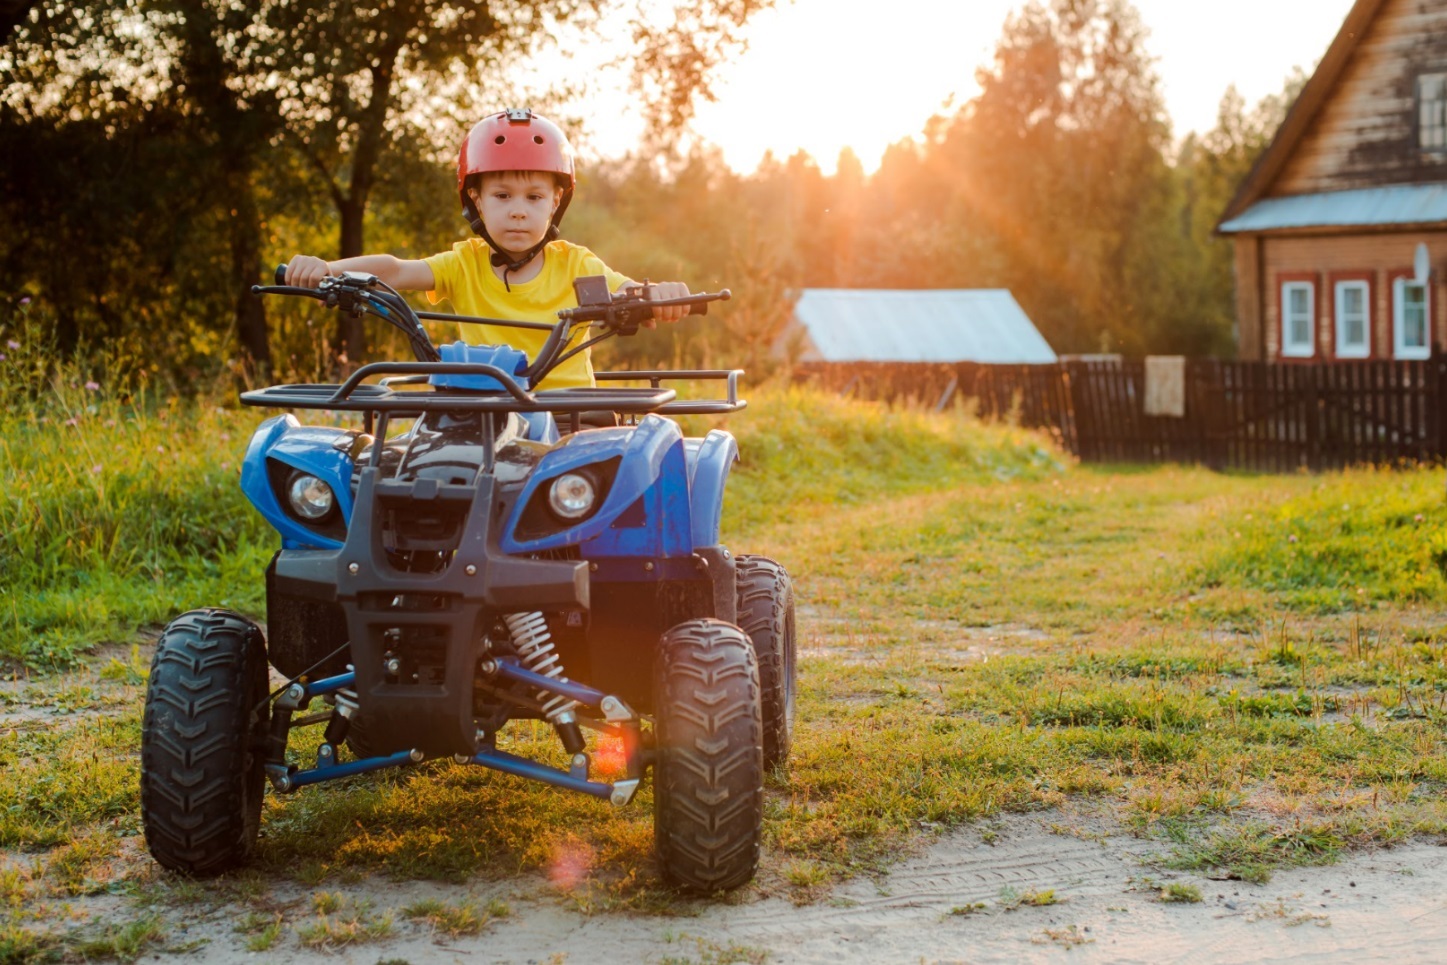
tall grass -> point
(807, 452)
(1358, 538)
(120, 504)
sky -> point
(822, 74)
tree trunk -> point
(351, 335)
(251, 330)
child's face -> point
(517, 207)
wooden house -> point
(1341, 227)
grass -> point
(985, 627)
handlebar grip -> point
(280, 274)
(701, 307)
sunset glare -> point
(822, 75)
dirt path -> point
(1386, 906)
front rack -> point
(355, 395)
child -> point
(515, 179)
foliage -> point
(330, 128)
(230, 91)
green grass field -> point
(1251, 670)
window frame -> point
(1400, 281)
(1339, 283)
(1438, 106)
(1287, 283)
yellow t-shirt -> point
(464, 277)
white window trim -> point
(1364, 349)
(1399, 349)
(1298, 350)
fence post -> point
(1434, 402)
(1313, 417)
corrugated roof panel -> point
(1402, 204)
(932, 325)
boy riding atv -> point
(455, 564)
(515, 178)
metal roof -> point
(1400, 204)
(934, 325)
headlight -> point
(572, 495)
(310, 498)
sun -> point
(829, 74)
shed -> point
(933, 325)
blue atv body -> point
(471, 555)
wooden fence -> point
(1263, 416)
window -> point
(1298, 319)
(1351, 302)
(1411, 335)
(1432, 112)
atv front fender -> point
(645, 511)
(282, 444)
(709, 461)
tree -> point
(350, 87)
(345, 64)
(1059, 160)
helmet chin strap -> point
(498, 258)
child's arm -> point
(306, 271)
(661, 290)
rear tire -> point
(708, 774)
(201, 737)
(766, 614)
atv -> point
(478, 552)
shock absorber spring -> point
(535, 649)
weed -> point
(1010, 898)
(712, 953)
(1178, 892)
(454, 919)
(1069, 936)
(327, 902)
(262, 939)
(970, 909)
(125, 942)
(352, 924)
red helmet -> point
(514, 140)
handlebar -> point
(621, 313)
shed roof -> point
(1401, 204)
(934, 325)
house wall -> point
(1264, 262)
(1365, 134)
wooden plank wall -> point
(1239, 415)
(1365, 132)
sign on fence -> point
(1166, 385)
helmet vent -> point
(499, 139)
(537, 139)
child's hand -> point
(305, 271)
(660, 291)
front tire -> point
(708, 774)
(201, 763)
(766, 614)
